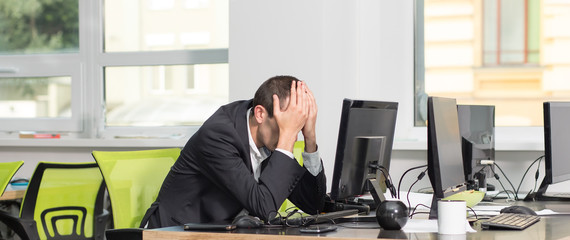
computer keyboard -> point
(515, 221)
(319, 218)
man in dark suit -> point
(240, 160)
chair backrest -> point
(133, 180)
(298, 150)
(7, 171)
(65, 199)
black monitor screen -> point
(477, 129)
(556, 139)
(445, 161)
(365, 136)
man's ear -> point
(259, 113)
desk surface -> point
(549, 227)
(13, 194)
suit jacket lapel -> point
(241, 127)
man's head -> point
(280, 85)
(265, 130)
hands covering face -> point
(300, 115)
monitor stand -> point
(435, 199)
(376, 191)
(541, 195)
(363, 206)
(433, 208)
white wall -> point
(342, 49)
(349, 49)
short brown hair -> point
(280, 85)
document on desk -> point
(495, 209)
(427, 225)
(487, 209)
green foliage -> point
(39, 26)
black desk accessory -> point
(392, 214)
(210, 226)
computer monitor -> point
(477, 129)
(445, 160)
(365, 137)
(556, 149)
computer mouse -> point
(247, 221)
(518, 209)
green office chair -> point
(298, 150)
(133, 180)
(7, 171)
(62, 201)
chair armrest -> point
(124, 234)
(26, 229)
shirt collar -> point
(260, 154)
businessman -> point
(241, 160)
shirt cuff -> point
(312, 162)
(290, 154)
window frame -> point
(498, 53)
(20, 66)
(87, 73)
(142, 58)
(530, 138)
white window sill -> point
(399, 145)
(96, 143)
(506, 139)
(410, 145)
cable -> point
(404, 174)
(416, 207)
(409, 190)
(474, 213)
(388, 178)
(508, 180)
(518, 188)
(497, 194)
(389, 181)
(345, 225)
(418, 213)
(500, 182)
(536, 175)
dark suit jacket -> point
(212, 180)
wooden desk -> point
(177, 233)
(549, 227)
(13, 194)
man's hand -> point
(309, 130)
(292, 119)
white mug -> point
(451, 216)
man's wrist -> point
(287, 142)
(310, 145)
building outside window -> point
(514, 54)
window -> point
(109, 68)
(39, 27)
(40, 77)
(509, 53)
(510, 32)
(170, 56)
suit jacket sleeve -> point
(309, 194)
(221, 157)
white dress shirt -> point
(311, 161)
